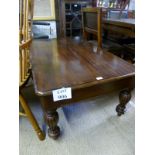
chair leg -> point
(85, 35)
(99, 40)
(31, 118)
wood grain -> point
(76, 64)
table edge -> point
(85, 85)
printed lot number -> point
(62, 94)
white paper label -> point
(62, 94)
(99, 78)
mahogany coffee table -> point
(80, 68)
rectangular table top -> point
(64, 62)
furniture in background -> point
(107, 26)
(73, 23)
(120, 26)
(89, 71)
(116, 13)
(66, 10)
(124, 35)
(100, 22)
(92, 18)
(44, 19)
(131, 14)
(69, 18)
(44, 29)
(113, 15)
(113, 4)
(26, 13)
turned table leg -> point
(124, 98)
(51, 118)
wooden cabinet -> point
(69, 18)
(73, 22)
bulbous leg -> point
(124, 98)
(52, 118)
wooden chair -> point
(91, 20)
(26, 14)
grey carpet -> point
(87, 128)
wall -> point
(44, 9)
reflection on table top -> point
(63, 62)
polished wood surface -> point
(64, 62)
(76, 64)
(121, 26)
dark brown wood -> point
(52, 117)
(66, 63)
(89, 92)
(91, 18)
(123, 32)
(124, 98)
(73, 63)
(120, 26)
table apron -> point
(87, 93)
